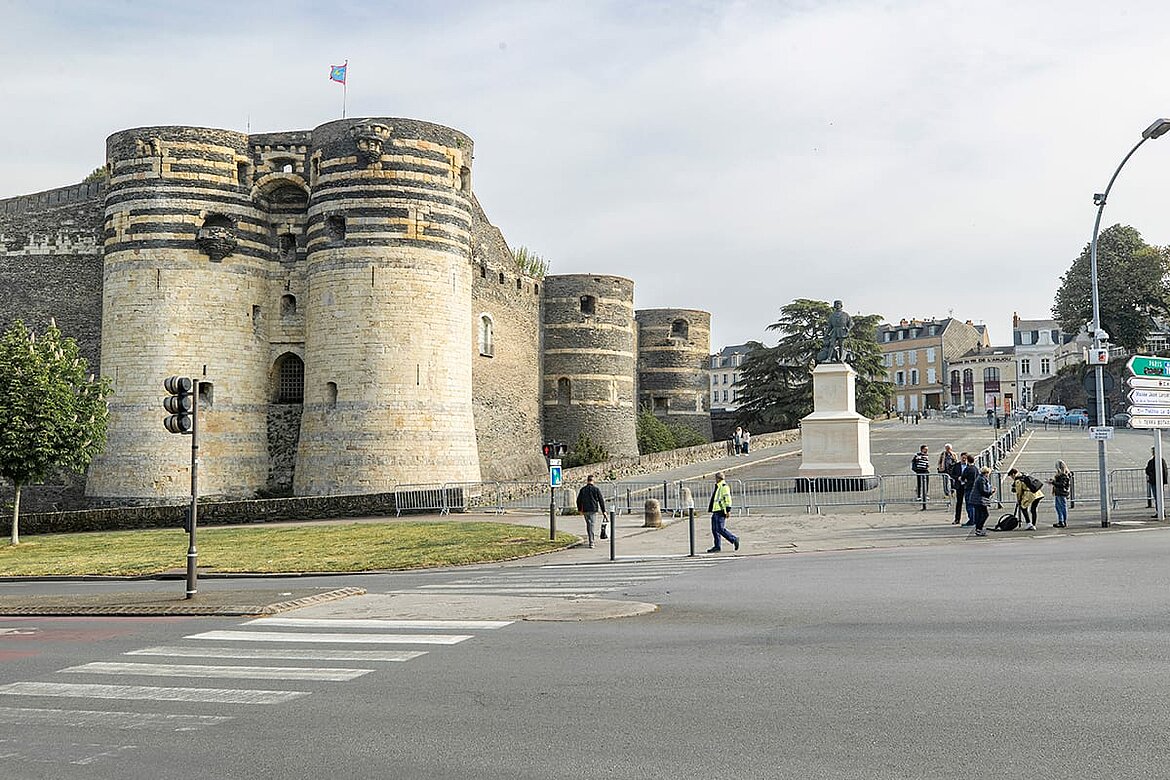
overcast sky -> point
(914, 159)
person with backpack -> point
(1029, 493)
(720, 507)
(589, 503)
(1061, 487)
(983, 490)
(920, 465)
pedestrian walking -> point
(1151, 480)
(959, 484)
(589, 503)
(946, 461)
(983, 490)
(737, 440)
(746, 441)
(1029, 493)
(920, 465)
(1061, 487)
(720, 507)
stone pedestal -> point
(835, 438)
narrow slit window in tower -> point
(331, 395)
(486, 346)
(465, 179)
(501, 277)
(662, 404)
(206, 395)
(588, 304)
(519, 283)
(242, 174)
(680, 329)
(564, 391)
(288, 305)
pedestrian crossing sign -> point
(555, 476)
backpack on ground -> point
(1007, 523)
(1032, 483)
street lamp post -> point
(1155, 130)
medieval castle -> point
(358, 320)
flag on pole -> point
(337, 72)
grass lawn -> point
(315, 547)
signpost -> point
(1149, 399)
(555, 476)
(1102, 433)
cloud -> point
(911, 158)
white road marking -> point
(147, 721)
(150, 693)
(500, 586)
(367, 639)
(288, 654)
(76, 753)
(465, 625)
(198, 670)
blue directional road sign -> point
(555, 476)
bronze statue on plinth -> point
(836, 331)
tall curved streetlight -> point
(1157, 129)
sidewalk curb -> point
(184, 608)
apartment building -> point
(1041, 349)
(984, 378)
(917, 354)
(724, 373)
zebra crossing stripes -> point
(154, 693)
(131, 721)
(289, 636)
(280, 654)
(199, 670)
(568, 579)
(462, 625)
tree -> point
(775, 386)
(585, 451)
(529, 263)
(97, 174)
(1131, 282)
(53, 413)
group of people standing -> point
(741, 440)
(974, 490)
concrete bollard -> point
(652, 514)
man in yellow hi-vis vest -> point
(720, 508)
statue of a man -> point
(836, 331)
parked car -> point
(1077, 417)
(1048, 413)
(1121, 420)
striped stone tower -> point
(387, 396)
(589, 355)
(674, 346)
(185, 283)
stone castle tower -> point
(674, 346)
(358, 321)
(589, 358)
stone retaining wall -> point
(212, 513)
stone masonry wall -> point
(506, 381)
(674, 346)
(589, 356)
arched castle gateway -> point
(359, 321)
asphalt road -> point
(1036, 658)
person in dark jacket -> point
(959, 483)
(1151, 479)
(1061, 486)
(983, 491)
(589, 503)
(970, 474)
(920, 465)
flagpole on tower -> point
(339, 73)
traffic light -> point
(180, 404)
(554, 449)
